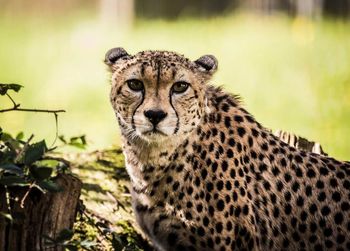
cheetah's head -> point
(158, 95)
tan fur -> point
(220, 181)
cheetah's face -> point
(158, 95)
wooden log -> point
(41, 215)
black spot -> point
(288, 209)
(238, 118)
(169, 179)
(300, 201)
(222, 137)
(197, 181)
(255, 133)
(321, 196)
(220, 205)
(313, 208)
(340, 238)
(188, 216)
(172, 239)
(245, 210)
(241, 131)
(201, 231)
(209, 186)
(224, 165)
(229, 153)
(205, 221)
(310, 173)
(225, 107)
(204, 173)
(227, 122)
(199, 208)
(338, 218)
(220, 185)
(320, 184)
(231, 142)
(218, 227)
(176, 185)
(308, 190)
(325, 210)
(336, 196)
(228, 185)
(295, 186)
(265, 147)
(298, 159)
(287, 177)
(345, 206)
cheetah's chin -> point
(154, 135)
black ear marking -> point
(114, 54)
(207, 63)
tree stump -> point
(43, 214)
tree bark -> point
(42, 215)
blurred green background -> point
(290, 63)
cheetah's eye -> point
(180, 87)
(135, 85)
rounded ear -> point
(114, 54)
(207, 63)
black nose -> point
(155, 116)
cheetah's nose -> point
(155, 116)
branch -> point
(30, 110)
(16, 108)
(13, 102)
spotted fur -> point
(213, 178)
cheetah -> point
(206, 175)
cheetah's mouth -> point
(154, 131)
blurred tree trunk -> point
(263, 6)
(42, 215)
(337, 8)
(120, 12)
(309, 8)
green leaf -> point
(64, 235)
(71, 247)
(6, 136)
(35, 152)
(6, 87)
(6, 216)
(40, 173)
(11, 168)
(61, 137)
(20, 136)
(48, 163)
(79, 142)
(87, 244)
(13, 181)
(49, 186)
(48, 239)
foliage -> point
(4, 88)
(121, 236)
(23, 163)
(32, 164)
(64, 239)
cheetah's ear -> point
(114, 54)
(207, 63)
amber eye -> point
(180, 87)
(135, 85)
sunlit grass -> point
(293, 74)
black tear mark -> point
(177, 116)
(133, 114)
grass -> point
(293, 74)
